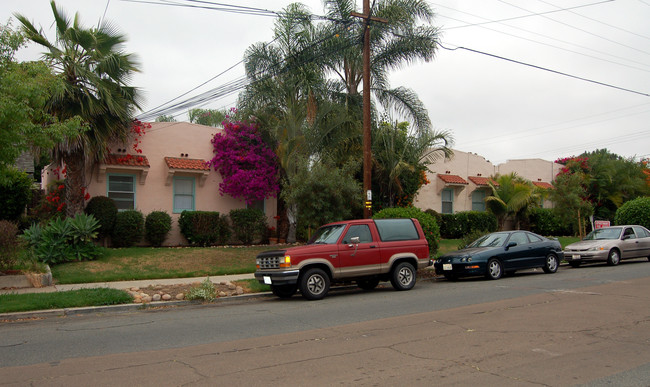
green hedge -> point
(156, 227)
(427, 221)
(15, 193)
(460, 224)
(105, 211)
(128, 229)
(545, 221)
(635, 211)
(248, 224)
(204, 228)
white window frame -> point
(176, 179)
(117, 200)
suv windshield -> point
(491, 240)
(604, 233)
(327, 235)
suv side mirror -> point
(355, 240)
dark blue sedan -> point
(499, 253)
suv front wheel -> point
(314, 284)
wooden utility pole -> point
(367, 140)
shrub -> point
(128, 229)
(156, 226)
(52, 204)
(64, 240)
(635, 211)
(454, 226)
(248, 224)
(450, 227)
(9, 244)
(105, 211)
(545, 221)
(427, 221)
(203, 228)
(471, 237)
(205, 291)
(15, 193)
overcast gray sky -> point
(493, 107)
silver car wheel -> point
(551, 264)
(614, 258)
(494, 269)
(316, 284)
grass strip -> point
(58, 300)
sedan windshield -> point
(491, 240)
(327, 235)
(604, 233)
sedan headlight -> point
(466, 259)
(596, 248)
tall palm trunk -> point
(75, 182)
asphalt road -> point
(578, 326)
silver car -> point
(610, 244)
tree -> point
(94, 71)
(207, 117)
(398, 42)
(400, 161)
(569, 196)
(24, 91)
(165, 118)
(511, 196)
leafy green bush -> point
(248, 224)
(635, 211)
(15, 193)
(203, 228)
(427, 221)
(9, 244)
(64, 240)
(545, 221)
(105, 211)
(156, 226)
(454, 226)
(205, 291)
(471, 237)
(128, 229)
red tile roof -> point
(479, 180)
(127, 160)
(183, 163)
(543, 184)
(452, 179)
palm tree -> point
(511, 196)
(393, 44)
(95, 72)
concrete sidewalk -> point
(129, 284)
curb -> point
(122, 308)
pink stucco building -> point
(460, 184)
(169, 175)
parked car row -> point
(369, 251)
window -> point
(519, 238)
(641, 232)
(478, 200)
(257, 204)
(447, 201)
(534, 238)
(183, 194)
(629, 233)
(396, 230)
(121, 188)
(358, 230)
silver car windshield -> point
(327, 235)
(604, 233)
(491, 240)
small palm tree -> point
(511, 196)
(95, 72)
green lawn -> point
(58, 300)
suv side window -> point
(396, 230)
(358, 230)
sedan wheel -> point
(613, 258)
(551, 264)
(314, 284)
(494, 269)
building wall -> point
(155, 192)
(465, 165)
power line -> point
(546, 69)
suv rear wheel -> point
(403, 276)
(314, 284)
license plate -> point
(267, 280)
(446, 266)
(575, 256)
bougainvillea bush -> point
(248, 166)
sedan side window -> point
(641, 232)
(519, 238)
(629, 233)
(360, 230)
